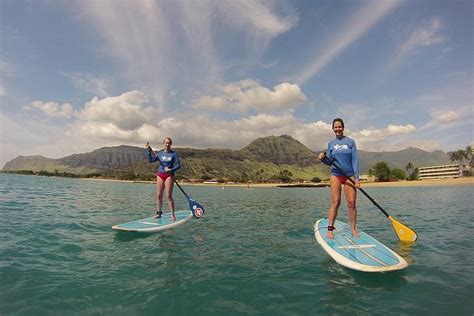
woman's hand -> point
(321, 155)
(167, 169)
(356, 183)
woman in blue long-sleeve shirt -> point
(168, 164)
(343, 150)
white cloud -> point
(248, 94)
(125, 119)
(165, 45)
(91, 83)
(445, 117)
(361, 22)
(451, 101)
(201, 131)
(126, 112)
(139, 35)
(377, 134)
(53, 109)
(264, 122)
(25, 136)
(256, 17)
(314, 135)
(425, 35)
(103, 131)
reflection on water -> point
(198, 237)
(405, 249)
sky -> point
(79, 75)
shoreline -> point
(415, 183)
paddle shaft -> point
(177, 184)
(333, 162)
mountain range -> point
(262, 160)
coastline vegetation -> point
(265, 173)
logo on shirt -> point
(165, 158)
(340, 146)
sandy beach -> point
(435, 182)
(416, 183)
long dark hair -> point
(338, 119)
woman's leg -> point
(169, 183)
(160, 186)
(335, 202)
(351, 196)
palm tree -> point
(470, 159)
(458, 156)
(468, 153)
(409, 168)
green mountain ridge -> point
(282, 149)
(263, 159)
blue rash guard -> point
(168, 159)
(344, 151)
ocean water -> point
(253, 252)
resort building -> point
(439, 172)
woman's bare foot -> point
(355, 234)
(173, 218)
(330, 234)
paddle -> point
(403, 232)
(196, 208)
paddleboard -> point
(363, 253)
(153, 225)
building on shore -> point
(443, 171)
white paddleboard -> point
(363, 253)
(152, 225)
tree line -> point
(382, 172)
(462, 156)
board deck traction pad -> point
(151, 224)
(364, 253)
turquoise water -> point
(252, 253)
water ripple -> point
(253, 252)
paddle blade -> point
(403, 232)
(196, 208)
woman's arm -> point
(355, 164)
(176, 163)
(151, 156)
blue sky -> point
(79, 75)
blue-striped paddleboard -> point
(363, 253)
(153, 225)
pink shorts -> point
(163, 176)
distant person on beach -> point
(342, 150)
(168, 164)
